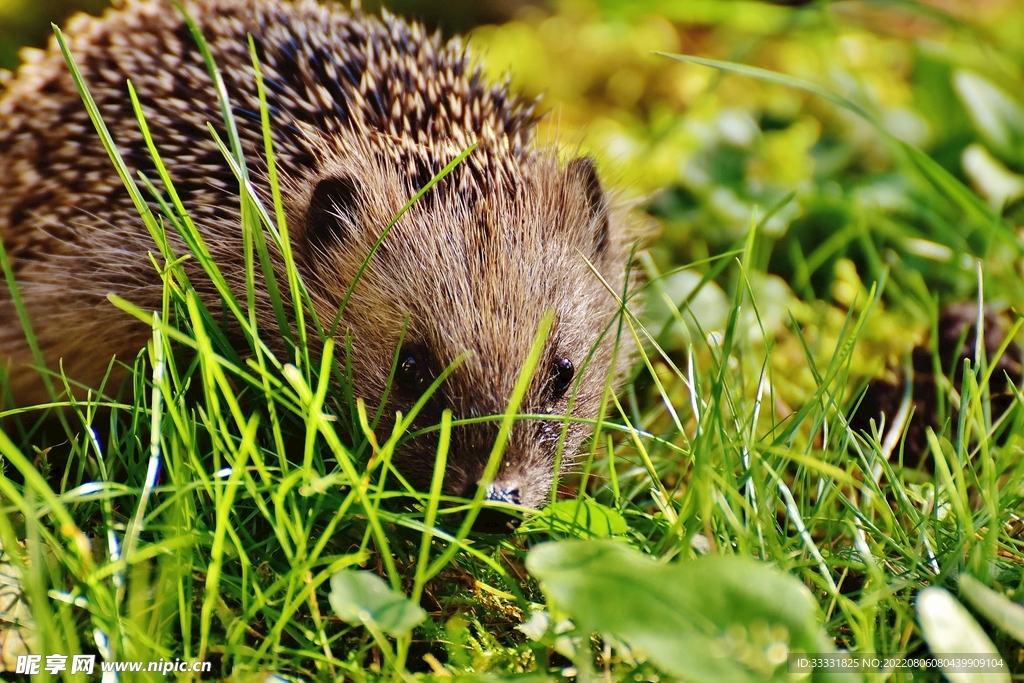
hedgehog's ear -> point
(333, 201)
(584, 172)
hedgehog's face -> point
(470, 281)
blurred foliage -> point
(716, 146)
(708, 152)
(27, 22)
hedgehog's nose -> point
(491, 521)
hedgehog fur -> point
(364, 112)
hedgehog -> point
(365, 111)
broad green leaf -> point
(1005, 614)
(580, 518)
(361, 597)
(949, 629)
(718, 618)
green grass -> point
(205, 518)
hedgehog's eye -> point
(409, 373)
(564, 372)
